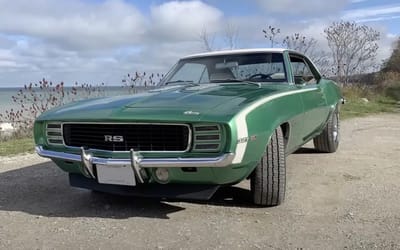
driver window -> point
(301, 71)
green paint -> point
(305, 108)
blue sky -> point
(96, 41)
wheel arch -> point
(284, 126)
(286, 132)
(262, 121)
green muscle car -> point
(215, 119)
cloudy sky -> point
(96, 41)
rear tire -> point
(268, 181)
(328, 140)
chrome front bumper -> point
(136, 161)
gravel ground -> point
(346, 200)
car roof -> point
(240, 51)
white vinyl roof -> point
(237, 51)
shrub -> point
(140, 80)
(34, 99)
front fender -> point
(255, 126)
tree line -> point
(352, 51)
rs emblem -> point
(113, 138)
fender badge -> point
(242, 140)
(189, 112)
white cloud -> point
(184, 21)
(376, 13)
(7, 59)
(73, 24)
(96, 41)
(296, 7)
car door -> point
(306, 77)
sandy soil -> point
(346, 200)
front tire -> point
(328, 140)
(268, 181)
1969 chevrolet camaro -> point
(215, 119)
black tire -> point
(268, 181)
(328, 140)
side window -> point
(301, 71)
(195, 72)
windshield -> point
(254, 67)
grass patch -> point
(357, 108)
(16, 146)
(378, 102)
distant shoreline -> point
(7, 103)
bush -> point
(393, 92)
(140, 80)
(393, 63)
(34, 99)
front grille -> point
(124, 137)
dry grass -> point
(16, 146)
(366, 100)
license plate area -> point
(115, 174)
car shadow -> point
(304, 150)
(43, 190)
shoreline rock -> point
(6, 129)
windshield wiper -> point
(236, 80)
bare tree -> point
(271, 34)
(231, 35)
(299, 43)
(207, 40)
(354, 48)
(229, 38)
(323, 61)
(308, 46)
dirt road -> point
(346, 200)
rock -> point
(6, 129)
(6, 126)
(365, 100)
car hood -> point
(172, 103)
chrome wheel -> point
(335, 130)
(328, 140)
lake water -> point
(6, 101)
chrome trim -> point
(87, 167)
(217, 162)
(133, 123)
(210, 150)
(135, 165)
(207, 140)
(218, 130)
